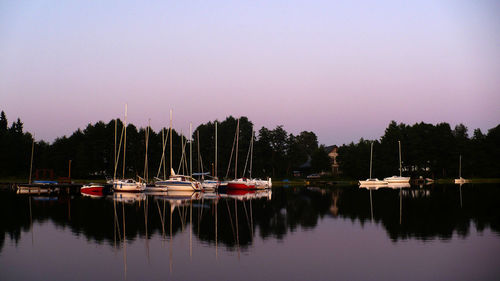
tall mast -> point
(371, 156)
(200, 165)
(215, 149)
(125, 141)
(400, 169)
(251, 155)
(146, 157)
(31, 163)
(236, 160)
(114, 172)
(170, 140)
(163, 154)
(191, 149)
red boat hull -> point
(240, 192)
(94, 191)
(238, 185)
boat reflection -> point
(229, 218)
(246, 195)
(128, 197)
(373, 186)
(396, 185)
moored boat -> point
(93, 190)
(400, 179)
(373, 182)
(370, 181)
(263, 184)
(396, 179)
(128, 185)
(178, 183)
(461, 180)
(241, 183)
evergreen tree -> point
(3, 123)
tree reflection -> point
(235, 220)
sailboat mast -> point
(163, 155)
(251, 155)
(400, 169)
(146, 156)
(191, 149)
(125, 141)
(371, 156)
(114, 172)
(199, 155)
(31, 163)
(215, 149)
(236, 160)
(170, 140)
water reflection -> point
(234, 219)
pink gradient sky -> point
(343, 69)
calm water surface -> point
(441, 232)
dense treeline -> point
(91, 151)
(427, 150)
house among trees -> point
(333, 153)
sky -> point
(342, 69)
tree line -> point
(427, 150)
(276, 153)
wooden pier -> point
(24, 188)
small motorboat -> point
(92, 190)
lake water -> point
(440, 232)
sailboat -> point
(396, 179)
(177, 182)
(460, 180)
(127, 185)
(239, 183)
(259, 183)
(370, 181)
(209, 183)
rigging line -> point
(251, 154)
(231, 220)
(161, 219)
(248, 156)
(182, 156)
(231, 157)
(118, 153)
(117, 223)
(246, 214)
(162, 161)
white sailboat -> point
(259, 183)
(127, 185)
(208, 183)
(177, 182)
(370, 181)
(460, 180)
(396, 179)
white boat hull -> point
(373, 182)
(396, 185)
(210, 185)
(263, 184)
(461, 181)
(129, 186)
(396, 179)
(177, 186)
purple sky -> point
(343, 69)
